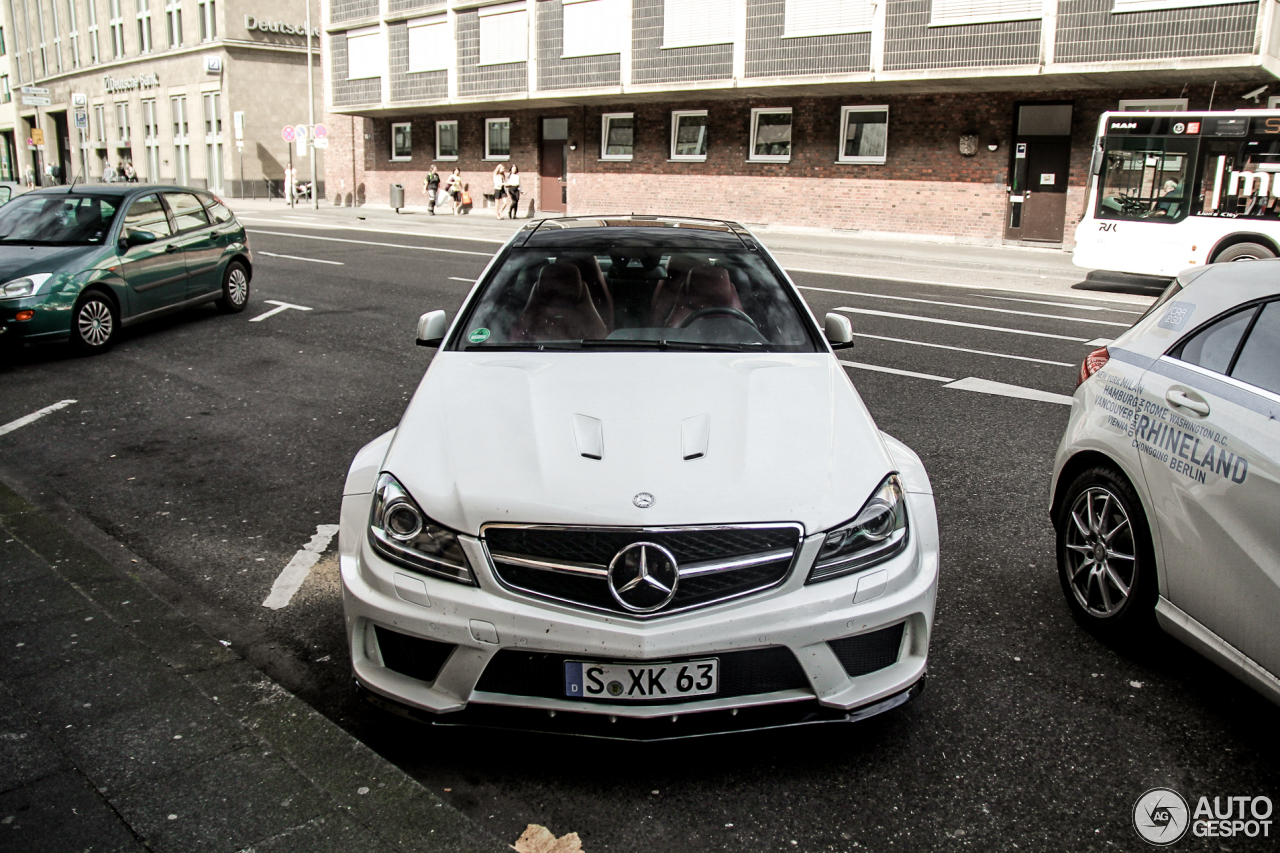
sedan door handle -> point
(1182, 399)
(170, 249)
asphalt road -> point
(213, 446)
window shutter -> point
(951, 12)
(504, 34)
(364, 53)
(1157, 5)
(429, 44)
(593, 27)
(689, 23)
(826, 17)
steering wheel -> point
(713, 311)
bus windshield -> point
(1146, 178)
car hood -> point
(499, 437)
(17, 261)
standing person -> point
(513, 190)
(453, 186)
(431, 183)
(499, 189)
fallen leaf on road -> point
(538, 839)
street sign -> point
(37, 137)
(34, 101)
(287, 133)
(237, 119)
(79, 99)
(34, 90)
(321, 142)
(300, 139)
(320, 131)
(82, 119)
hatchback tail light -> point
(1093, 362)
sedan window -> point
(147, 214)
(188, 212)
(63, 220)
(629, 298)
(1213, 347)
(1259, 359)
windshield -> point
(635, 298)
(59, 220)
(1146, 178)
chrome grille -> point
(571, 564)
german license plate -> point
(641, 682)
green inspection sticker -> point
(478, 336)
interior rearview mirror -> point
(839, 331)
(431, 329)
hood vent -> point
(695, 432)
(589, 434)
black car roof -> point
(106, 189)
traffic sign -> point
(37, 137)
(82, 119)
(320, 131)
(300, 138)
(34, 101)
(287, 133)
(34, 90)
(322, 142)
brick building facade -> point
(942, 87)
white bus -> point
(1172, 190)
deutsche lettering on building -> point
(252, 23)
(140, 81)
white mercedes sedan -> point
(635, 495)
(1166, 492)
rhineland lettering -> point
(141, 81)
(252, 23)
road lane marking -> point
(895, 371)
(467, 280)
(956, 284)
(964, 349)
(972, 307)
(293, 574)
(33, 417)
(366, 230)
(941, 322)
(986, 386)
(372, 243)
(296, 258)
(1060, 304)
(280, 306)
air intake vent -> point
(869, 652)
(412, 656)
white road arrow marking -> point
(280, 306)
(34, 416)
(299, 567)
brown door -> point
(1038, 182)
(551, 168)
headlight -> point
(876, 533)
(25, 286)
(400, 532)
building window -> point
(151, 138)
(3, 49)
(213, 139)
(689, 135)
(144, 26)
(99, 123)
(116, 24)
(207, 12)
(617, 136)
(94, 57)
(504, 34)
(57, 34)
(73, 34)
(173, 22)
(690, 23)
(805, 18)
(497, 138)
(6, 94)
(949, 13)
(364, 53)
(446, 140)
(122, 122)
(181, 142)
(594, 27)
(1154, 105)
(429, 44)
(771, 135)
(1121, 6)
(401, 141)
(864, 134)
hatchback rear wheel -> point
(94, 324)
(235, 288)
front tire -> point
(235, 289)
(1105, 559)
(94, 324)
(1244, 252)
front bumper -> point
(474, 624)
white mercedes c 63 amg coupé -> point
(636, 495)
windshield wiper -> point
(644, 343)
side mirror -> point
(431, 329)
(839, 331)
(134, 237)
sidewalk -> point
(125, 727)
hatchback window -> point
(188, 212)
(217, 210)
(1213, 348)
(1259, 359)
(62, 220)
(147, 214)
(635, 297)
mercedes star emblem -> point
(644, 500)
(643, 577)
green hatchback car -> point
(80, 263)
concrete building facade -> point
(896, 117)
(169, 88)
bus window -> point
(1239, 179)
(1145, 179)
